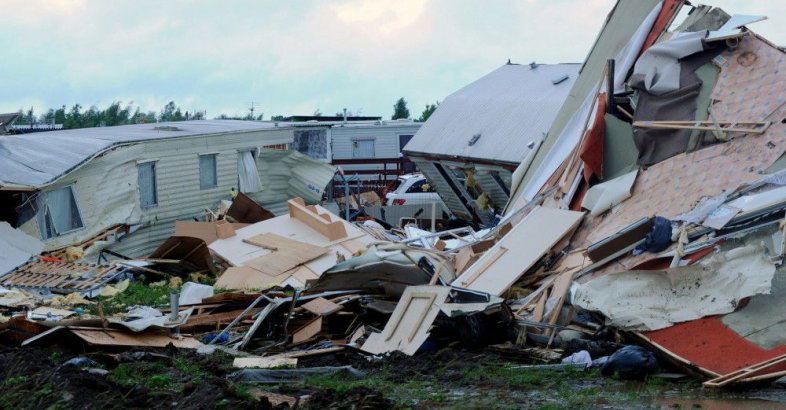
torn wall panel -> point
(675, 185)
(650, 300)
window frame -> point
(215, 170)
(45, 210)
(373, 141)
(139, 164)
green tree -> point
(60, 115)
(73, 119)
(430, 108)
(47, 117)
(171, 112)
(400, 109)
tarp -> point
(651, 300)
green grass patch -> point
(190, 368)
(15, 380)
(137, 294)
(153, 376)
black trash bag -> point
(630, 362)
(658, 238)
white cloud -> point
(291, 57)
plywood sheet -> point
(205, 231)
(322, 307)
(307, 331)
(516, 252)
(246, 278)
(110, 337)
(285, 253)
(235, 251)
(409, 325)
(103, 337)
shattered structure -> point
(653, 214)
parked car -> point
(412, 189)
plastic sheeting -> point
(651, 300)
(293, 375)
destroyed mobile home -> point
(652, 214)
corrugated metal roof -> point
(36, 159)
(509, 107)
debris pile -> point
(648, 232)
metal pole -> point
(433, 217)
(174, 306)
(346, 199)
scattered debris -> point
(648, 221)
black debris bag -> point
(630, 362)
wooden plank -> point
(264, 362)
(527, 242)
(744, 372)
(560, 290)
(245, 278)
(322, 307)
(540, 307)
(307, 331)
(316, 221)
(313, 352)
(287, 255)
(672, 125)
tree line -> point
(118, 114)
(115, 114)
(401, 111)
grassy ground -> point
(166, 378)
(493, 383)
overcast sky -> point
(289, 57)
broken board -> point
(519, 250)
(110, 337)
(307, 331)
(322, 307)
(264, 362)
(409, 325)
